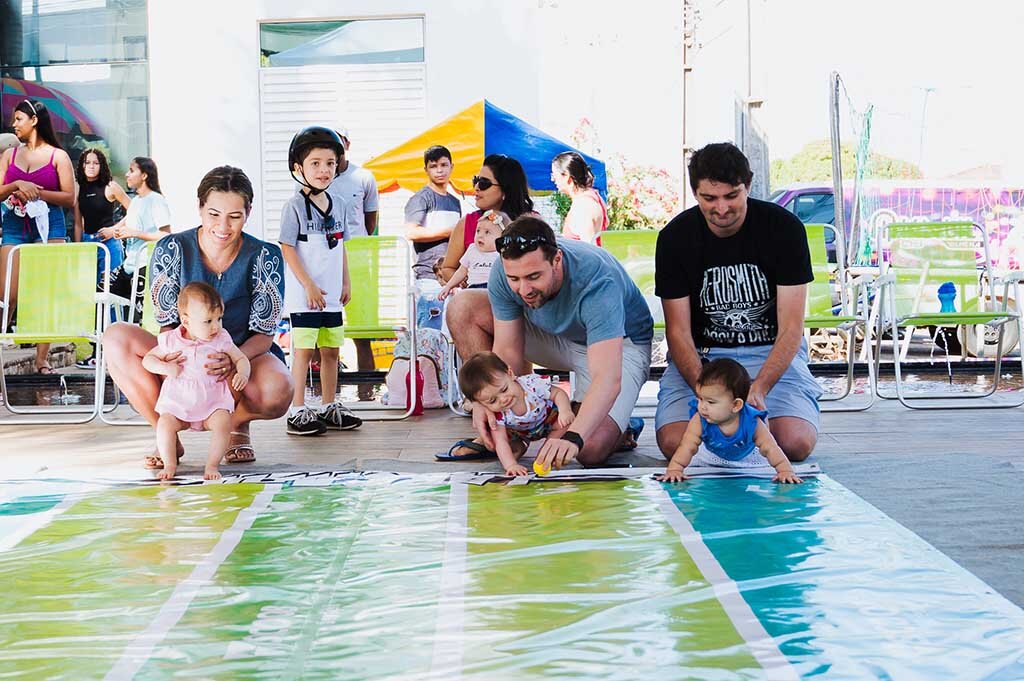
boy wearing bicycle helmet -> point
(316, 278)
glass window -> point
(86, 61)
(361, 41)
(41, 32)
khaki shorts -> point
(556, 353)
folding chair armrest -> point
(1015, 277)
(111, 299)
(882, 280)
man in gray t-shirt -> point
(567, 306)
(432, 212)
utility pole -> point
(924, 111)
(689, 30)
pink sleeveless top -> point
(45, 177)
(593, 195)
(469, 229)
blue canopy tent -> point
(471, 135)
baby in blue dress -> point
(724, 431)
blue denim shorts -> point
(21, 230)
(795, 394)
(114, 246)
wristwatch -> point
(574, 438)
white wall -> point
(204, 63)
(620, 66)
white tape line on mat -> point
(141, 649)
(448, 635)
(761, 644)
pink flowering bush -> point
(639, 197)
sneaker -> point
(87, 363)
(305, 422)
(336, 416)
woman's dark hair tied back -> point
(228, 180)
(44, 124)
(148, 166)
(576, 167)
(510, 175)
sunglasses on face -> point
(483, 184)
(520, 245)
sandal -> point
(477, 452)
(241, 452)
(45, 370)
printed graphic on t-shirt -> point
(737, 301)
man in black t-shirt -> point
(732, 274)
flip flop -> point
(45, 370)
(478, 453)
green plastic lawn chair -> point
(635, 249)
(921, 258)
(851, 315)
(57, 302)
(383, 301)
(148, 323)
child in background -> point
(522, 408)
(724, 431)
(475, 264)
(316, 280)
(189, 396)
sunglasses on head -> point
(519, 245)
(483, 184)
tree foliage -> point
(813, 163)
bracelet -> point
(574, 438)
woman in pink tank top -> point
(588, 215)
(501, 185)
(37, 170)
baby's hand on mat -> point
(211, 473)
(787, 476)
(565, 418)
(516, 470)
(168, 472)
(672, 475)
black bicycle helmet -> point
(314, 136)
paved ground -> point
(954, 478)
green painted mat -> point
(390, 577)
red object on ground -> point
(418, 408)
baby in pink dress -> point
(189, 396)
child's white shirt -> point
(478, 264)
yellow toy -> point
(540, 470)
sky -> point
(889, 53)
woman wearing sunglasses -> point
(500, 186)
